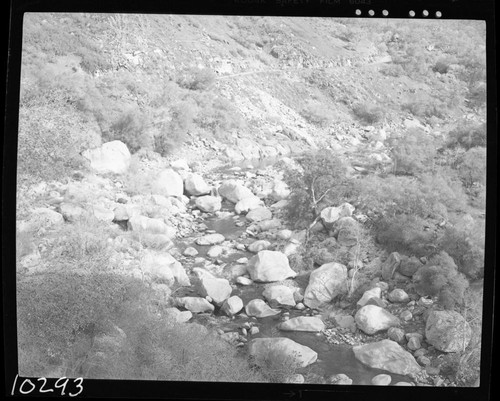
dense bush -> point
(440, 277)
(467, 135)
(405, 234)
(316, 114)
(466, 246)
(172, 131)
(392, 70)
(48, 145)
(368, 114)
(425, 108)
(60, 313)
(199, 79)
(412, 152)
(132, 129)
(471, 166)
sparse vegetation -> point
(87, 304)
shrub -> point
(316, 114)
(442, 65)
(467, 136)
(172, 132)
(132, 129)
(196, 79)
(368, 114)
(60, 313)
(49, 144)
(440, 277)
(82, 245)
(469, 362)
(471, 166)
(412, 152)
(466, 246)
(277, 366)
(392, 70)
(425, 108)
(405, 234)
(217, 115)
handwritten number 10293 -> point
(27, 386)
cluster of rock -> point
(180, 198)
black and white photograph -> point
(251, 199)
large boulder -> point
(168, 183)
(330, 215)
(149, 225)
(111, 157)
(259, 214)
(164, 267)
(325, 284)
(347, 230)
(280, 295)
(265, 350)
(208, 203)
(372, 319)
(447, 331)
(195, 185)
(258, 308)
(247, 204)
(303, 323)
(178, 316)
(232, 305)
(269, 266)
(195, 304)
(387, 355)
(234, 191)
(206, 284)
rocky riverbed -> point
(221, 257)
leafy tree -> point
(471, 166)
(318, 180)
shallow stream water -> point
(332, 359)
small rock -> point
(381, 380)
(340, 379)
(190, 251)
(398, 295)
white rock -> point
(303, 323)
(372, 319)
(387, 355)
(259, 214)
(111, 157)
(247, 204)
(447, 331)
(168, 183)
(195, 304)
(195, 185)
(367, 295)
(210, 239)
(234, 191)
(208, 203)
(258, 308)
(381, 380)
(218, 289)
(232, 305)
(266, 349)
(269, 266)
(279, 294)
(325, 284)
